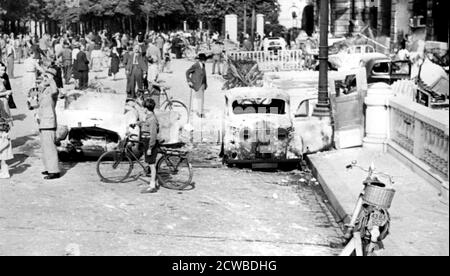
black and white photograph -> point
(226, 129)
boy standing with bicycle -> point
(149, 134)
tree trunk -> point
(148, 24)
(131, 24)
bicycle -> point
(174, 170)
(370, 222)
(169, 104)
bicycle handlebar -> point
(371, 171)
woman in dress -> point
(115, 62)
(5, 92)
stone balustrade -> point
(420, 136)
(285, 60)
(416, 134)
(422, 132)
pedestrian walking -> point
(82, 67)
(248, 45)
(128, 52)
(217, 51)
(32, 70)
(115, 63)
(97, 56)
(177, 46)
(165, 68)
(10, 57)
(66, 59)
(6, 97)
(152, 81)
(197, 80)
(45, 44)
(47, 121)
(159, 42)
(154, 52)
(19, 43)
(136, 70)
(75, 73)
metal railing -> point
(284, 60)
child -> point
(149, 133)
(6, 152)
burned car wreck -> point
(257, 128)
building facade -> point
(389, 19)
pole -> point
(322, 108)
(245, 17)
(253, 24)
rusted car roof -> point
(256, 92)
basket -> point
(378, 196)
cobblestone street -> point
(230, 211)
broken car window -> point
(259, 106)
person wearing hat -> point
(197, 80)
(136, 70)
(46, 119)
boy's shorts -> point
(149, 159)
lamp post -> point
(322, 108)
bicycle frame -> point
(166, 153)
(129, 152)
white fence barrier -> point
(286, 60)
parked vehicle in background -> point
(381, 68)
(274, 44)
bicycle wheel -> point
(178, 107)
(114, 167)
(174, 172)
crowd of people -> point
(53, 62)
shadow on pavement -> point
(17, 165)
(66, 167)
(19, 117)
(18, 142)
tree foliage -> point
(174, 11)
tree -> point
(153, 13)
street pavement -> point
(230, 211)
(419, 217)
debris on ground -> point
(73, 250)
